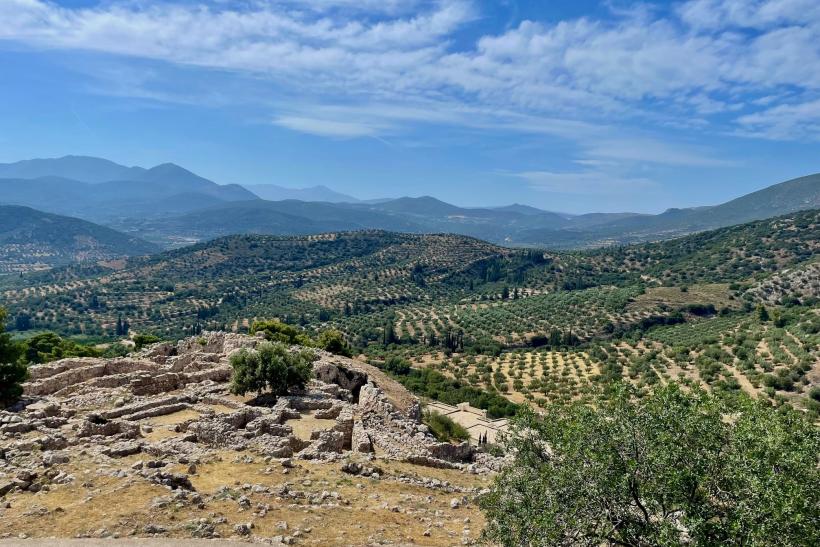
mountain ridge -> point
(169, 204)
(32, 240)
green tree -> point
(397, 365)
(272, 367)
(48, 346)
(673, 468)
(334, 342)
(444, 428)
(276, 331)
(12, 373)
(142, 340)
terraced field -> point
(777, 359)
(534, 325)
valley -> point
(531, 325)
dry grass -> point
(371, 510)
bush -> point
(12, 376)
(444, 428)
(668, 469)
(12, 373)
(47, 347)
(397, 365)
(142, 340)
(434, 385)
(272, 367)
(276, 331)
(334, 342)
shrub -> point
(142, 340)
(334, 342)
(47, 347)
(397, 365)
(673, 468)
(276, 331)
(12, 373)
(444, 428)
(272, 367)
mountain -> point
(516, 225)
(294, 217)
(34, 240)
(105, 191)
(272, 192)
(173, 206)
(523, 209)
(288, 217)
(786, 197)
(793, 195)
(169, 178)
(424, 206)
(80, 168)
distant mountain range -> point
(80, 186)
(271, 192)
(33, 240)
(172, 206)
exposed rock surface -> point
(106, 407)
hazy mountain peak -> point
(319, 192)
(81, 168)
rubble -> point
(111, 408)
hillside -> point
(157, 445)
(793, 195)
(379, 277)
(516, 225)
(32, 240)
(532, 325)
(288, 217)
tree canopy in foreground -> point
(677, 467)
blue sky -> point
(567, 105)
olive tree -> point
(272, 367)
(676, 467)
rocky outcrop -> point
(108, 407)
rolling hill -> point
(374, 274)
(32, 240)
(530, 325)
(294, 217)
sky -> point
(568, 105)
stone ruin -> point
(100, 405)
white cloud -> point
(756, 14)
(590, 182)
(328, 128)
(645, 150)
(784, 121)
(707, 65)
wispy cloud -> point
(586, 182)
(328, 128)
(363, 68)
